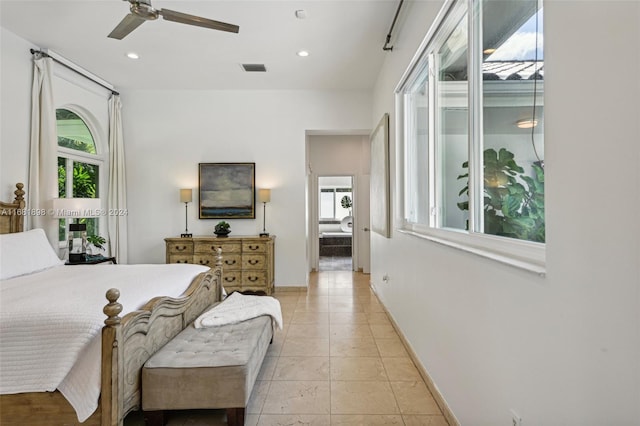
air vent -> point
(254, 67)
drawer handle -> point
(253, 261)
(182, 261)
(252, 279)
(181, 248)
(229, 262)
(253, 247)
(229, 279)
(203, 262)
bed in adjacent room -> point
(62, 361)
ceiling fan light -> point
(527, 123)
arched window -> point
(79, 164)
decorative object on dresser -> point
(186, 196)
(227, 190)
(222, 229)
(248, 261)
(78, 208)
(264, 196)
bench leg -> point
(153, 418)
(235, 416)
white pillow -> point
(23, 253)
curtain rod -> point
(46, 55)
(393, 24)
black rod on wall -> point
(46, 55)
(386, 47)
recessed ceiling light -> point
(302, 53)
(132, 55)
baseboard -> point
(442, 404)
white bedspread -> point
(50, 324)
(239, 307)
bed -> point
(124, 337)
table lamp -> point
(78, 208)
(186, 196)
(264, 196)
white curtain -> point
(117, 198)
(43, 171)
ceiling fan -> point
(141, 11)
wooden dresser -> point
(248, 261)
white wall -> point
(168, 133)
(560, 350)
(15, 108)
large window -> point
(471, 108)
(79, 165)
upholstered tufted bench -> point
(206, 368)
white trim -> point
(520, 254)
(444, 11)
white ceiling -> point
(344, 37)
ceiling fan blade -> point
(128, 24)
(183, 18)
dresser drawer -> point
(231, 278)
(253, 278)
(253, 261)
(212, 246)
(231, 262)
(180, 247)
(254, 247)
(180, 258)
(204, 259)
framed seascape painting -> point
(227, 190)
(380, 203)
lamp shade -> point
(76, 207)
(186, 195)
(264, 195)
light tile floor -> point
(338, 361)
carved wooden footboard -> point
(127, 343)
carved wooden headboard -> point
(12, 214)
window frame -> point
(522, 254)
(100, 159)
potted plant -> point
(222, 229)
(346, 203)
(96, 244)
(513, 200)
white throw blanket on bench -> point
(239, 307)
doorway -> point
(335, 223)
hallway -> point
(338, 361)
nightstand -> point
(94, 260)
